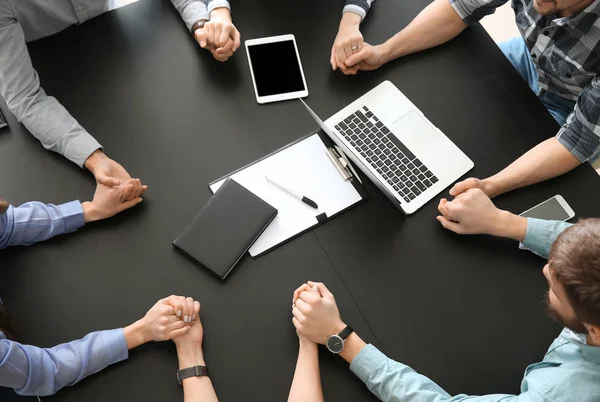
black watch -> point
(335, 343)
(196, 371)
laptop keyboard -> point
(386, 154)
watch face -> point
(335, 344)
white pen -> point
(302, 198)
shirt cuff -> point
(217, 4)
(81, 147)
(365, 361)
(115, 345)
(352, 8)
(72, 213)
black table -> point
(464, 310)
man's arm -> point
(544, 161)
(192, 11)
(576, 142)
(474, 213)
(391, 381)
(20, 87)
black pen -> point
(302, 198)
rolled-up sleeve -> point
(360, 7)
(581, 133)
(541, 234)
(43, 115)
(471, 11)
(30, 370)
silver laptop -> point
(394, 144)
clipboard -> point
(287, 226)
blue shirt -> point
(34, 222)
(35, 371)
(570, 370)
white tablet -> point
(276, 69)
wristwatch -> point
(335, 343)
(197, 25)
(196, 371)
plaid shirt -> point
(566, 53)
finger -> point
(463, 186)
(224, 35)
(138, 188)
(144, 188)
(185, 313)
(196, 314)
(297, 292)
(348, 49)
(190, 309)
(332, 59)
(237, 39)
(296, 323)
(452, 226)
(107, 181)
(201, 37)
(302, 306)
(210, 35)
(298, 315)
(308, 296)
(176, 333)
(322, 288)
(356, 58)
(129, 204)
(226, 48)
(177, 303)
(340, 52)
(127, 193)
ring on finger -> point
(354, 48)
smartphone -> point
(555, 209)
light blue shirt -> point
(30, 370)
(34, 222)
(570, 370)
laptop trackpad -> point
(416, 132)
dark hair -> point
(3, 205)
(575, 260)
(6, 325)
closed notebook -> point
(225, 228)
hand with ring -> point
(348, 41)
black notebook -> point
(225, 228)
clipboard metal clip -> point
(342, 164)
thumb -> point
(358, 57)
(129, 204)
(453, 226)
(201, 37)
(107, 181)
(321, 287)
(178, 329)
(463, 186)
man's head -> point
(566, 7)
(573, 273)
(3, 206)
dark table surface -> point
(465, 311)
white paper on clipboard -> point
(305, 168)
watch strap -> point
(345, 333)
(196, 371)
(197, 25)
